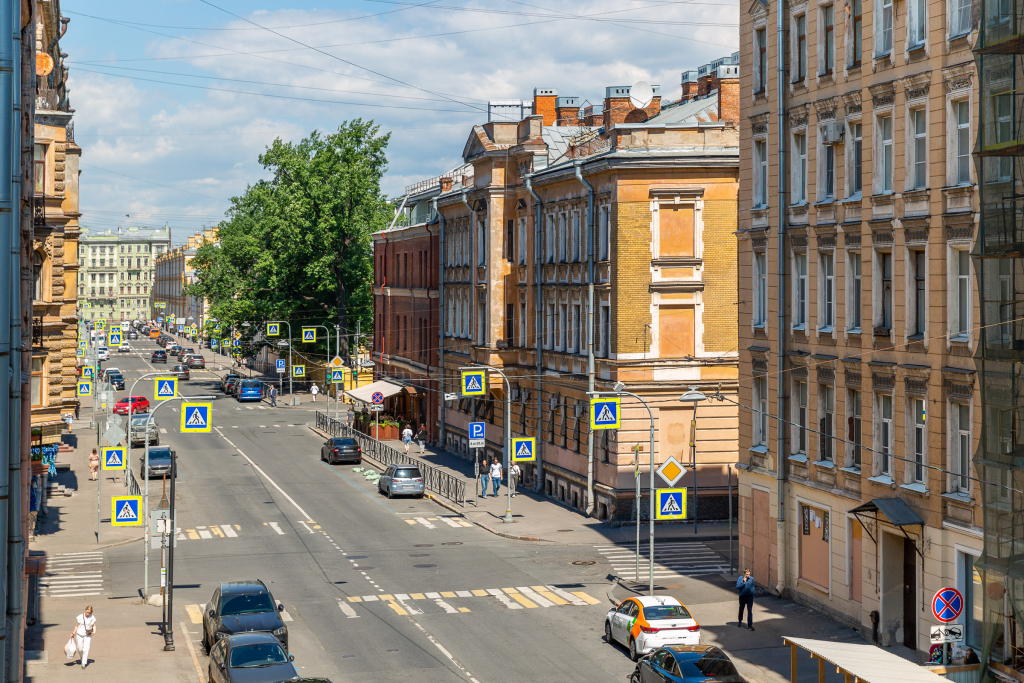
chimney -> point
(544, 104)
(728, 77)
(567, 111)
(593, 115)
(618, 108)
(446, 184)
(689, 80)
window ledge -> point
(916, 488)
(825, 463)
(759, 326)
(760, 450)
(800, 328)
(883, 55)
(850, 470)
(858, 197)
(915, 47)
(959, 497)
(828, 329)
(854, 330)
(959, 339)
(827, 201)
(916, 337)
(798, 457)
(883, 479)
(799, 204)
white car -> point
(646, 623)
(124, 348)
(103, 353)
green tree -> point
(296, 246)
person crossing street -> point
(273, 396)
(314, 390)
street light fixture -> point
(693, 396)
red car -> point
(140, 404)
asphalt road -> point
(375, 589)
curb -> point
(608, 593)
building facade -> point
(173, 272)
(859, 311)
(116, 276)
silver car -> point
(141, 432)
(401, 480)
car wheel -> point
(206, 643)
(633, 653)
(389, 492)
(608, 632)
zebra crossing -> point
(73, 575)
(670, 559)
(206, 533)
(464, 601)
(453, 521)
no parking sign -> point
(947, 605)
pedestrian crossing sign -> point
(338, 376)
(115, 329)
(79, 352)
(273, 329)
(88, 372)
(181, 327)
(216, 328)
(124, 510)
(298, 371)
(671, 504)
(474, 382)
(524, 449)
(195, 417)
(113, 458)
(165, 388)
(85, 388)
(604, 413)
(115, 339)
(101, 325)
(309, 334)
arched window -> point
(37, 276)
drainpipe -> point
(590, 332)
(385, 304)
(781, 343)
(538, 332)
(441, 323)
(472, 271)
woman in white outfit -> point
(85, 629)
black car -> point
(686, 664)
(251, 658)
(240, 607)
(341, 449)
(159, 356)
(160, 462)
(116, 379)
(231, 385)
(182, 371)
(197, 362)
(224, 381)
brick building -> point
(172, 272)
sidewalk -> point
(128, 640)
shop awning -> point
(870, 664)
(896, 511)
(365, 394)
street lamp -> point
(508, 436)
(693, 396)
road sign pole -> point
(169, 593)
(337, 354)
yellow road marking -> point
(194, 613)
(398, 608)
(238, 527)
(549, 595)
(316, 526)
(479, 593)
(586, 598)
(192, 534)
(510, 591)
(523, 600)
(447, 594)
(217, 531)
(355, 598)
(410, 521)
(463, 609)
(417, 596)
(386, 597)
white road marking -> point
(565, 595)
(504, 599)
(424, 522)
(276, 527)
(535, 596)
(203, 533)
(450, 522)
(263, 426)
(433, 596)
(370, 598)
(228, 531)
(163, 430)
(307, 527)
(464, 594)
(347, 609)
(264, 474)
(285, 616)
(444, 605)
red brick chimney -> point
(446, 184)
(728, 77)
(544, 104)
(689, 80)
(568, 111)
(619, 109)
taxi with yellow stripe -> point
(645, 623)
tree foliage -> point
(296, 246)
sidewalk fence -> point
(437, 481)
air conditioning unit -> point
(832, 133)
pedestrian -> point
(407, 437)
(69, 419)
(273, 396)
(745, 585)
(84, 630)
(513, 477)
(78, 406)
(495, 475)
(349, 415)
(422, 437)
(94, 464)
(314, 390)
(484, 478)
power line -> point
(142, 180)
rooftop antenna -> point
(640, 94)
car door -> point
(620, 623)
(385, 479)
(651, 671)
(218, 659)
(208, 626)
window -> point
(800, 291)
(38, 393)
(856, 173)
(855, 283)
(962, 259)
(575, 235)
(885, 128)
(920, 159)
(858, 24)
(761, 411)
(800, 396)
(1004, 131)
(830, 172)
(828, 291)
(963, 141)
(522, 325)
(605, 228)
(920, 265)
(481, 317)
(549, 326)
(563, 237)
(760, 173)
(961, 19)
(885, 270)
(37, 276)
(800, 189)
(574, 343)
(961, 448)
(605, 329)
(522, 241)
(829, 38)
(563, 319)
(761, 65)
(549, 235)
(885, 434)
(883, 42)
(920, 438)
(801, 47)
(39, 168)
(760, 288)
(917, 18)
(481, 242)
(854, 428)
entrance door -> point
(761, 501)
(909, 594)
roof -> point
(126, 235)
(241, 587)
(365, 394)
(557, 140)
(648, 600)
(252, 638)
(704, 110)
(868, 663)
(895, 509)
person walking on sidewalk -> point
(407, 437)
(495, 475)
(85, 629)
(513, 477)
(314, 390)
(745, 585)
(273, 396)
(94, 464)
(422, 437)
(484, 478)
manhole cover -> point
(424, 566)
(357, 557)
(392, 650)
(585, 563)
(419, 554)
(452, 543)
(565, 530)
(424, 545)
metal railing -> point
(131, 483)
(442, 483)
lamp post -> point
(693, 396)
(291, 395)
(326, 383)
(508, 435)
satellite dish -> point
(640, 94)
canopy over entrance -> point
(866, 663)
(365, 394)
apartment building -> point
(115, 280)
(584, 248)
(172, 273)
(859, 311)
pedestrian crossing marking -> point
(447, 594)
(463, 609)
(387, 596)
(464, 594)
(411, 521)
(417, 596)
(523, 600)
(479, 593)
(217, 532)
(549, 595)
(192, 534)
(586, 598)
(195, 615)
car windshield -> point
(251, 384)
(140, 421)
(250, 603)
(260, 654)
(713, 663)
(344, 442)
(652, 612)
(115, 375)
(408, 473)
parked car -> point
(160, 462)
(341, 449)
(401, 480)
(139, 404)
(224, 381)
(103, 353)
(240, 607)
(181, 370)
(197, 362)
(124, 348)
(190, 351)
(108, 371)
(648, 622)
(159, 356)
(248, 390)
(116, 380)
(132, 334)
(144, 429)
(231, 385)
(250, 658)
(686, 664)
(173, 349)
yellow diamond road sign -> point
(671, 471)
(336, 362)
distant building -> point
(173, 272)
(115, 281)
